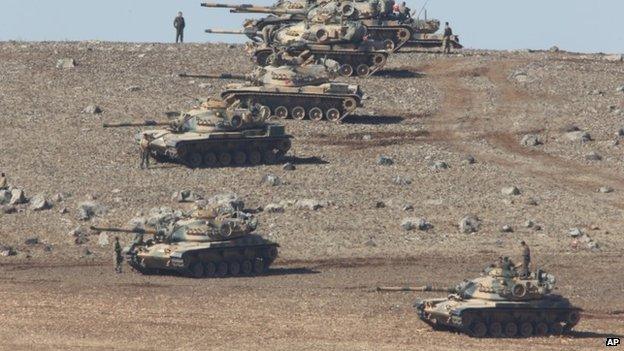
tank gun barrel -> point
(426, 288)
(215, 76)
(227, 31)
(135, 124)
(120, 230)
(248, 8)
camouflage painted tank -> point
(298, 92)
(502, 304)
(201, 247)
(216, 134)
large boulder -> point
(18, 197)
(229, 201)
(469, 224)
(5, 197)
(89, 209)
(39, 203)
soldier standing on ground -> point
(3, 182)
(118, 256)
(145, 151)
(446, 40)
(178, 24)
(526, 259)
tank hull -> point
(419, 40)
(221, 149)
(481, 318)
(243, 256)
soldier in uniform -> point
(118, 256)
(3, 182)
(404, 12)
(446, 39)
(178, 24)
(526, 259)
(145, 151)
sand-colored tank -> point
(299, 92)
(502, 304)
(201, 247)
(217, 134)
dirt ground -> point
(422, 108)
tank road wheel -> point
(194, 159)
(210, 269)
(388, 44)
(526, 329)
(403, 34)
(346, 70)
(478, 329)
(379, 60)
(281, 112)
(316, 114)
(511, 329)
(298, 113)
(197, 270)
(555, 328)
(240, 158)
(258, 266)
(496, 329)
(269, 157)
(210, 159)
(264, 113)
(235, 268)
(333, 115)
(363, 70)
(541, 329)
(255, 157)
(222, 269)
(246, 267)
(349, 104)
(225, 158)
(572, 319)
(284, 145)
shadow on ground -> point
(313, 160)
(399, 73)
(368, 119)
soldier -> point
(446, 40)
(526, 259)
(179, 24)
(118, 256)
(404, 12)
(3, 182)
(145, 151)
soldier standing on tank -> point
(404, 12)
(3, 182)
(446, 39)
(526, 259)
(118, 256)
(146, 139)
(179, 24)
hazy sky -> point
(576, 25)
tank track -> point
(509, 322)
(361, 63)
(397, 35)
(288, 102)
(430, 42)
(224, 152)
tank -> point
(216, 134)
(502, 304)
(299, 92)
(200, 248)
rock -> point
(103, 239)
(469, 224)
(80, 236)
(398, 180)
(530, 140)
(593, 156)
(58, 198)
(92, 110)
(31, 241)
(308, 204)
(17, 197)
(63, 210)
(469, 160)
(274, 208)
(575, 232)
(157, 217)
(8, 209)
(408, 208)
(5, 196)
(529, 224)
(385, 161)
(66, 63)
(620, 89)
(89, 209)
(554, 49)
(510, 191)
(186, 196)
(605, 190)
(367, 137)
(439, 165)
(7, 251)
(380, 204)
(86, 253)
(370, 243)
(578, 136)
(506, 229)
(537, 227)
(138, 223)
(532, 202)
(288, 167)
(133, 88)
(39, 203)
(227, 201)
(614, 57)
(271, 179)
(620, 132)
(421, 224)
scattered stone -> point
(529, 224)
(575, 232)
(185, 196)
(439, 165)
(506, 229)
(47, 248)
(63, 210)
(620, 89)
(133, 88)
(89, 209)
(103, 239)
(370, 243)
(510, 191)
(620, 132)
(86, 252)
(367, 137)
(92, 110)
(380, 204)
(398, 180)
(227, 201)
(274, 208)
(597, 92)
(469, 160)
(80, 236)
(532, 201)
(17, 197)
(593, 156)
(308, 204)
(605, 190)
(530, 140)
(58, 198)
(8, 209)
(469, 224)
(66, 63)
(7, 251)
(204, 85)
(31, 241)
(271, 179)
(614, 58)
(5, 196)
(288, 167)
(385, 161)
(39, 203)
(537, 227)
(578, 136)
(408, 208)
